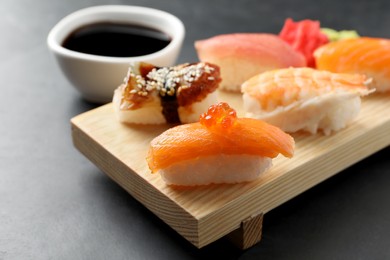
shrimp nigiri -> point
(370, 56)
(243, 55)
(221, 148)
(305, 99)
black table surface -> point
(55, 204)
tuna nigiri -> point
(221, 148)
(179, 94)
(370, 56)
(305, 99)
(243, 55)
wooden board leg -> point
(249, 232)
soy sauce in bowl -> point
(116, 40)
(112, 37)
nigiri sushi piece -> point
(243, 55)
(305, 99)
(365, 55)
(153, 95)
(221, 148)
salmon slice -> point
(243, 55)
(370, 56)
(223, 133)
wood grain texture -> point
(205, 214)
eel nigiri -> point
(243, 55)
(370, 56)
(179, 94)
(221, 148)
(305, 99)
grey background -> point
(55, 204)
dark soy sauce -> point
(116, 40)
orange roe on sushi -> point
(219, 131)
(220, 115)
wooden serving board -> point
(206, 213)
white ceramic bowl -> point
(95, 76)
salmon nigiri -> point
(243, 55)
(305, 99)
(370, 56)
(221, 148)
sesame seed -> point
(168, 80)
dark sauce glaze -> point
(169, 103)
(177, 86)
(116, 40)
(170, 109)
